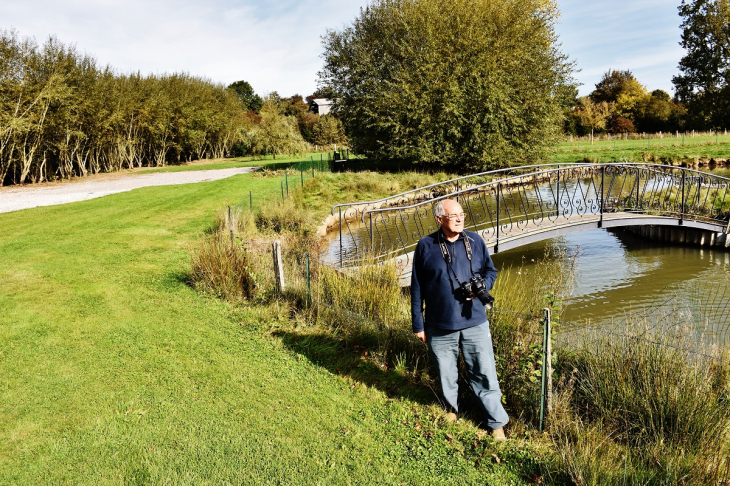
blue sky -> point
(275, 44)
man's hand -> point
(421, 336)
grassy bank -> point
(657, 415)
(116, 371)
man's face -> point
(456, 224)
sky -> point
(275, 44)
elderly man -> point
(454, 319)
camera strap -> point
(447, 255)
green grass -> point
(115, 371)
(657, 150)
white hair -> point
(440, 212)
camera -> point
(476, 286)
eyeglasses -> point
(452, 217)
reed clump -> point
(516, 324)
(640, 408)
(221, 266)
(366, 307)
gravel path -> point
(14, 198)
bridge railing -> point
(530, 202)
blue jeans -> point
(476, 345)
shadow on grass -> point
(348, 358)
(345, 358)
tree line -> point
(621, 104)
(62, 115)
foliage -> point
(648, 112)
(593, 115)
(611, 85)
(329, 131)
(293, 106)
(276, 133)
(458, 83)
(61, 115)
(628, 99)
(704, 82)
(306, 122)
(620, 124)
(250, 100)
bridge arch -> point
(521, 205)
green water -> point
(619, 273)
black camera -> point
(476, 286)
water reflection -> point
(619, 273)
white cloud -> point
(275, 45)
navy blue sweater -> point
(434, 285)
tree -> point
(293, 106)
(620, 124)
(250, 100)
(611, 85)
(704, 84)
(276, 133)
(468, 84)
(630, 99)
(329, 131)
(594, 115)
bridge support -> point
(681, 236)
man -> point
(452, 319)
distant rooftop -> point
(322, 105)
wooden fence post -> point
(278, 265)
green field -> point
(654, 149)
(115, 371)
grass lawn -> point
(667, 148)
(115, 371)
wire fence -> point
(692, 317)
(685, 135)
(295, 174)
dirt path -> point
(15, 198)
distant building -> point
(321, 106)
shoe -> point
(498, 434)
(450, 417)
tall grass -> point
(517, 329)
(639, 407)
(628, 410)
(221, 266)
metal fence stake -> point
(250, 201)
(546, 392)
(309, 286)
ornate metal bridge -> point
(517, 206)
